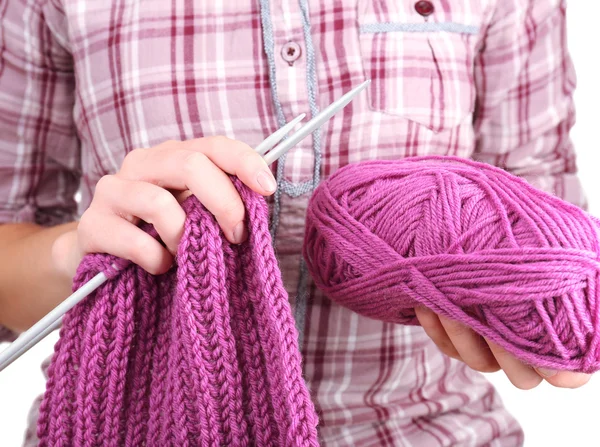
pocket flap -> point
(420, 70)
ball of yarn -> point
(470, 242)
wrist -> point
(34, 272)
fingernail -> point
(547, 372)
(239, 233)
(266, 181)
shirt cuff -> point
(46, 217)
(21, 215)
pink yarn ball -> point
(470, 242)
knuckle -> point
(166, 148)
(106, 182)
(208, 144)
(455, 329)
(159, 200)
(231, 210)
(248, 158)
(193, 162)
(133, 159)
(168, 144)
(237, 148)
(138, 248)
(458, 330)
(218, 140)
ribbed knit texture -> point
(470, 242)
(204, 355)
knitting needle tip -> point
(314, 123)
(276, 136)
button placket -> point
(291, 82)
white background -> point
(551, 417)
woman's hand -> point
(149, 186)
(460, 342)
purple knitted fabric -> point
(204, 355)
(468, 241)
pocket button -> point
(424, 7)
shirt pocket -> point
(421, 69)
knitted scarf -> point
(205, 354)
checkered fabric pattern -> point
(83, 82)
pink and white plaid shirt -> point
(83, 82)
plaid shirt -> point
(83, 82)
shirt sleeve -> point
(525, 81)
(39, 149)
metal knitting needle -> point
(53, 319)
(276, 136)
(314, 123)
(39, 337)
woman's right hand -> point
(150, 186)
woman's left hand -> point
(460, 342)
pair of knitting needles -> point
(270, 151)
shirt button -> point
(290, 52)
(425, 8)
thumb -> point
(66, 254)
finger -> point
(434, 329)
(108, 233)
(151, 203)
(182, 170)
(470, 346)
(564, 379)
(520, 375)
(230, 156)
(237, 158)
